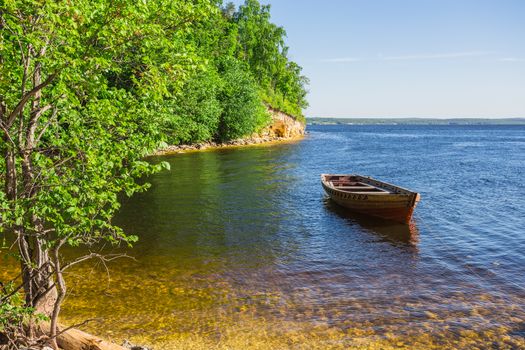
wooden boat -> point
(372, 197)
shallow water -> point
(241, 249)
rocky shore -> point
(230, 144)
(283, 128)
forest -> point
(88, 88)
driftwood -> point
(74, 339)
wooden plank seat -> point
(353, 187)
(360, 186)
(362, 190)
(374, 192)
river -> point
(241, 249)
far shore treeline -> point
(415, 121)
(90, 87)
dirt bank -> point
(283, 128)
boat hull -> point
(397, 207)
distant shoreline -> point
(414, 121)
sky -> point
(408, 58)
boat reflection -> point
(395, 233)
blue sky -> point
(408, 58)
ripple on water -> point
(240, 249)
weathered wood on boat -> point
(370, 196)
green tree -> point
(243, 111)
(246, 41)
(262, 46)
(228, 10)
(261, 43)
(83, 88)
(197, 111)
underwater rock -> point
(128, 345)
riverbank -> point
(208, 146)
(282, 129)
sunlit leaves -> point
(243, 111)
(261, 44)
(119, 65)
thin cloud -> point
(341, 60)
(415, 57)
(437, 56)
(511, 59)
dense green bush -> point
(243, 110)
(197, 111)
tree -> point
(243, 45)
(261, 43)
(197, 111)
(243, 111)
(228, 10)
(83, 88)
(262, 46)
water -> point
(240, 248)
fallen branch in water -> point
(69, 338)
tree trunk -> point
(10, 180)
(61, 294)
(36, 273)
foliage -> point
(84, 87)
(250, 56)
(78, 141)
(14, 314)
(196, 113)
(88, 88)
(243, 111)
(12, 309)
(262, 46)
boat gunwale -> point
(407, 191)
(397, 205)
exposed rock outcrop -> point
(283, 125)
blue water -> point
(257, 220)
(471, 219)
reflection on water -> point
(395, 233)
(240, 248)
